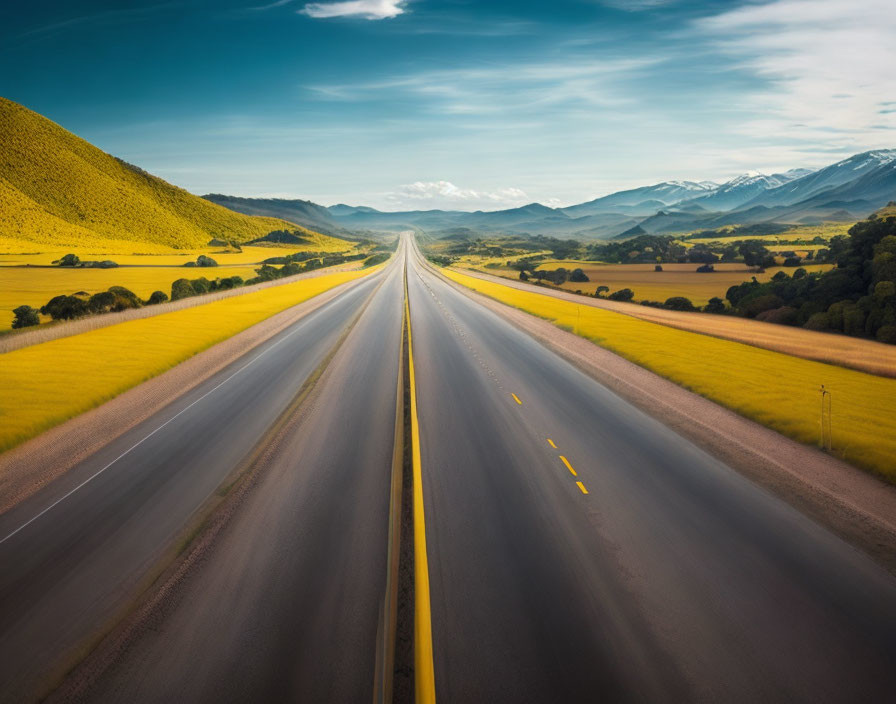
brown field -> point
(673, 280)
(855, 353)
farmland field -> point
(34, 285)
(131, 352)
(673, 280)
(777, 390)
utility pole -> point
(826, 427)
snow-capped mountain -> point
(800, 189)
(737, 191)
(657, 195)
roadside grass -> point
(48, 383)
(777, 390)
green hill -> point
(57, 189)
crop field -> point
(95, 366)
(34, 287)
(777, 390)
(673, 280)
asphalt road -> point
(69, 570)
(286, 606)
(578, 550)
(672, 579)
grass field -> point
(45, 384)
(777, 390)
(673, 280)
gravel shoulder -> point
(857, 506)
(853, 352)
(28, 467)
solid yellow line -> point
(551, 443)
(424, 670)
(568, 466)
(582, 487)
(517, 399)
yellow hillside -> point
(56, 189)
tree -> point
(25, 317)
(156, 297)
(203, 260)
(181, 288)
(755, 254)
(69, 260)
(65, 308)
(715, 305)
(679, 303)
(600, 290)
(578, 276)
(625, 294)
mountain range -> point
(847, 190)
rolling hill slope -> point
(57, 189)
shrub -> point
(25, 317)
(201, 285)
(625, 294)
(800, 273)
(887, 333)
(817, 321)
(601, 290)
(705, 269)
(785, 315)
(792, 261)
(125, 298)
(715, 305)
(156, 297)
(101, 302)
(658, 267)
(524, 276)
(205, 261)
(679, 303)
(578, 276)
(65, 308)
(69, 260)
(760, 304)
(181, 288)
(780, 276)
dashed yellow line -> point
(582, 487)
(551, 443)
(517, 399)
(568, 465)
(424, 675)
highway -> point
(577, 549)
(68, 571)
(672, 579)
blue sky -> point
(456, 103)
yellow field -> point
(673, 280)
(34, 287)
(777, 390)
(48, 383)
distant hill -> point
(58, 189)
(302, 212)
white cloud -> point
(826, 68)
(509, 89)
(363, 9)
(444, 194)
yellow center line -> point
(582, 487)
(568, 465)
(551, 443)
(424, 674)
(517, 399)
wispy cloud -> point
(507, 89)
(105, 18)
(444, 194)
(362, 9)
(826, 69)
